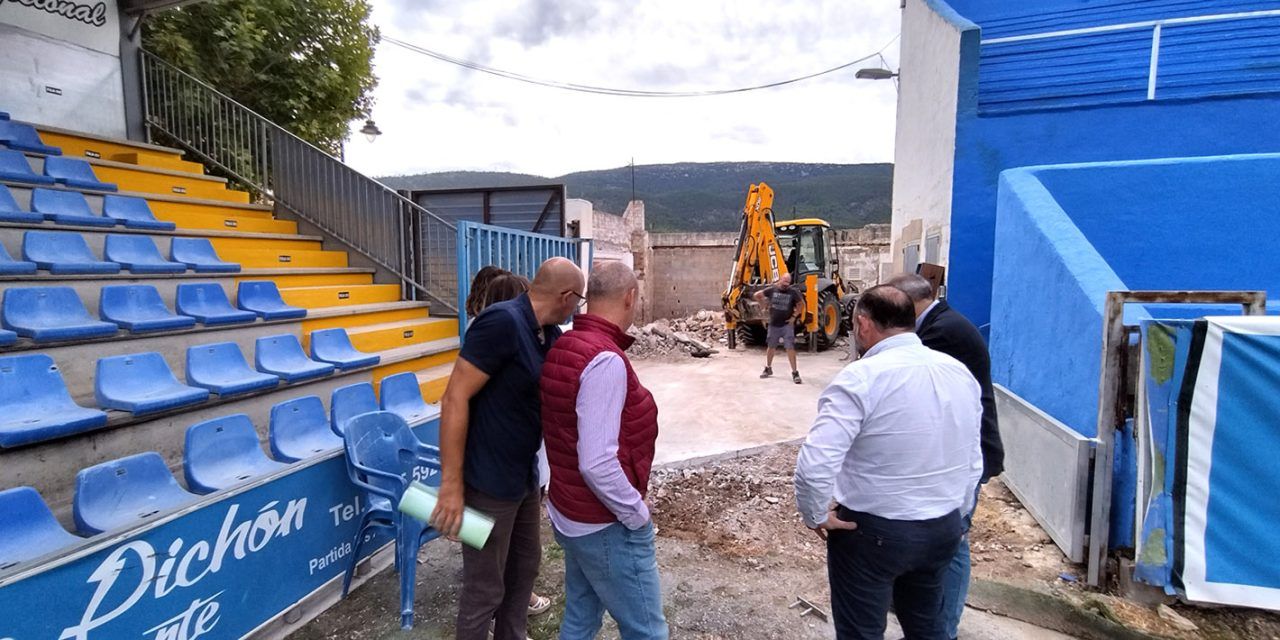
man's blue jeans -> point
(615, 569)
(955, 582)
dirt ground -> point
(732, 554)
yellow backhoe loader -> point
(766, 250)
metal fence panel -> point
(520, 252)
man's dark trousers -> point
(884, 561)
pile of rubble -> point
(698, 335)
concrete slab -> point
(717, 405)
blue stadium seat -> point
(63, 252)
(75, 173)
(348, 402)
(222, 369)
(283, 356)
(45, 314)
(263, 298)
(35, 404)
(138, 254)
(11, 212)
(28, 529)
(402, 396)
(208, 303)
(300, 429)
(23, 137)
(133, 213)
(119, 493)
(139, 308)
(66, 207)
(11, 267)
(333, 346)
(4, 115)
(198, 254)
(224, 452)
(7, 337)
(15, 168)
(141, 383)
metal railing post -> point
(1155, 62)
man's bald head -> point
(556, 291)
(610, 282)
(914, 285)
(556, 276)
(785, 279)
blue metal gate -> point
(520, 252)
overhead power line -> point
(614, 91)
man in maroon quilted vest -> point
(600, 425)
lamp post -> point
(370, 130)
(371, 133)
(875, 74)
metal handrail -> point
(1156, 26)
(411, 242)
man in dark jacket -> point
(944, 329)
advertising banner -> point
(93, 24)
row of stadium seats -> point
(218, 454)
(67, 253)
(50, 314)
(71, 207)
(35, 404)
(78, 174)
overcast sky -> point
(439, 117)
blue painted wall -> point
(1167, 128)
(1066, 235)
(988, 145)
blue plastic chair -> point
(28, 529)
(224, 452)
(139, 254)
(133, 213)
(283, 356)
(381, 456)
(119, 493)
(66, 207)
(15, 168)
(300, 430)
(35, 404)
(402, 396)
(11, 267)
(45, 314)
(263, 298)
(75, 173)
(198, 254)
(11, 212)
(141, 383)
(208, 303)
(138, 308)
(23, 137)
(333, 346)
(348, 402)
(222, 369)
(63, 253)
(7, 337)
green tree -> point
(307, 66)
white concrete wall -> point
(925, 143)
(63, 71)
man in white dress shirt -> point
(889, 466)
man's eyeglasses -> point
(582, 300)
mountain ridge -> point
(697, 196)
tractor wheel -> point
(829, 320)
(751, 334)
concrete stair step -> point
(259, 259)
(341, 295)
(388, 335)
(433, 381)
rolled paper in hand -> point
(419, 501)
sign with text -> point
(219, 571)
(93, 24)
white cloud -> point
(440, 117)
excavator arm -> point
(757, 257)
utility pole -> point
(633, 178)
